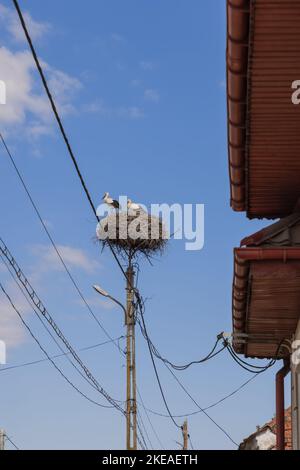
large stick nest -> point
(133, 234)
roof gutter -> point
(266, 253)
(238, 21)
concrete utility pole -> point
(130, 362)
(2, 439)
(185, 435)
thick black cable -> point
(61, 127)
(53, 106)
(248, 363)
(60, 124)
(236, 359)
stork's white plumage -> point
(110, 201)
(133, 206)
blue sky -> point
(141, 88)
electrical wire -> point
(37, 312)
(181, 385)
(238, 361)
(61, 127)
(209, 406)
(149, 420)
(62, 130)
(209, 356)
(37, 304)
(191, 444)
(156, 374)
(140, 424)
(9, 439)
(101, 390)
(34, 205)
(45, 352)
(200, 408)
(38, 361)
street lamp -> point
(108, 296)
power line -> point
(11, 441)
(42, 309)
(64, 135)
(38, 304)
(144, 427)
(34, 205)
(209, 356)
(45, 325)
(156, 374)
(207, 407)
(149, 420)
(61, 127)
(200, 408)
(243, 364)
(181, 385)
(45, 352)
(191, 444)
(38, 361)
(62, 130)
(139, 427)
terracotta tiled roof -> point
(288, 428)
(271, 425)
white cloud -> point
(12, 331)
(122, 112)
(26, 102)
(151, 95)
(147, 65)
(10, 21)
(16, 72)
(25, 107)
(73, 257)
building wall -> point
(295, 371)
(264, 439)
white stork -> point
(133, 207)
(110, 201)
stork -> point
(110, 201)
(133, 206)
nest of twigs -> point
(133, 234)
